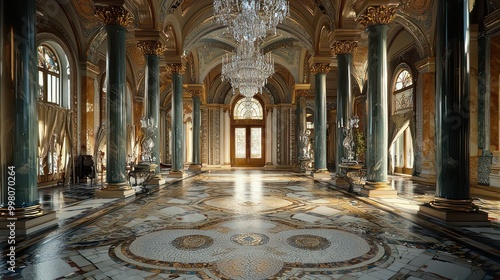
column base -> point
(378, 189)
(176, 174)
(157, 181)
(321, 174)
(455, 218)
(195, 167)
(27, 226)
(119, 190)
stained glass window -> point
(248, 108)
(256, 144)
(241, 144)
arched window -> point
(402, 107)
(248, 108)
(403, 92)
(49, 76)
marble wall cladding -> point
(87, 122)
(428, 130)
(494, 118)
(204, 136)
(216, 137)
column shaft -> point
(196, 129)
(452, 100)
(301, 125)
(344, 98)
(19, 78)
(177, 124)
(320, 122)
(377, 122)
(153, 103)
(116, 140)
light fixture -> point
(247, 69)
(250, 19)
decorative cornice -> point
(151, 47)
(176, 68)
(113, 15)
(320, 68)
(344, 47)
(378, 15)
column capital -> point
(377, 15)
(320, 68)
(113, 15)
(195, 93)
(176, 68)
(151, 47)
(344, 47)
(302, 93)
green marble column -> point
(343, 50)
(196, 128)
(452, 100)
(320, 70)
(115, 19)
(19, 117)
(152, 50)
(177, 120)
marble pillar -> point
(302, 134)
(19, 121)
(453, 203)
(177, 121)
(376, 19)
(343, 50)
(152, 50)
(196, 164)
(115, 18)
(320, 70)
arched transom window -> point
(248, 108)
(48, 75)
(403, 92)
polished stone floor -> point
(254, 224)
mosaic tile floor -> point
(247, 224)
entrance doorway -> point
(248, 133)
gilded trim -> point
(344, 47)
(379, 15)
(320, 68)
(176, 68)
(113, 15)
(151, 47)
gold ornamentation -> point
(113, 15)
(344, 47)
(377, 15)
(176, 68)
(195, 93)
(303, 93)
(464, 205)
(151, 47)
(320, 68)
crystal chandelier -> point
(247, 69)
(250, 20)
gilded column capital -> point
(151, 47)
(320, 68)
(195, 93)
(176, 68)
(344, 47)
(113, 15)
(377, 15)
(302, 93)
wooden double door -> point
(248, 145)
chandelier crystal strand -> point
(247, 69)
(250, 19)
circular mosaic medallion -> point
(192, 242)
(308, 242)
(249, 239)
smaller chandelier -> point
(247, 69)
(250, 19)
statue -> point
(349, 143)
(148, 143)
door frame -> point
(248, 124)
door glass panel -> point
(256, 144)
(240, 142)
